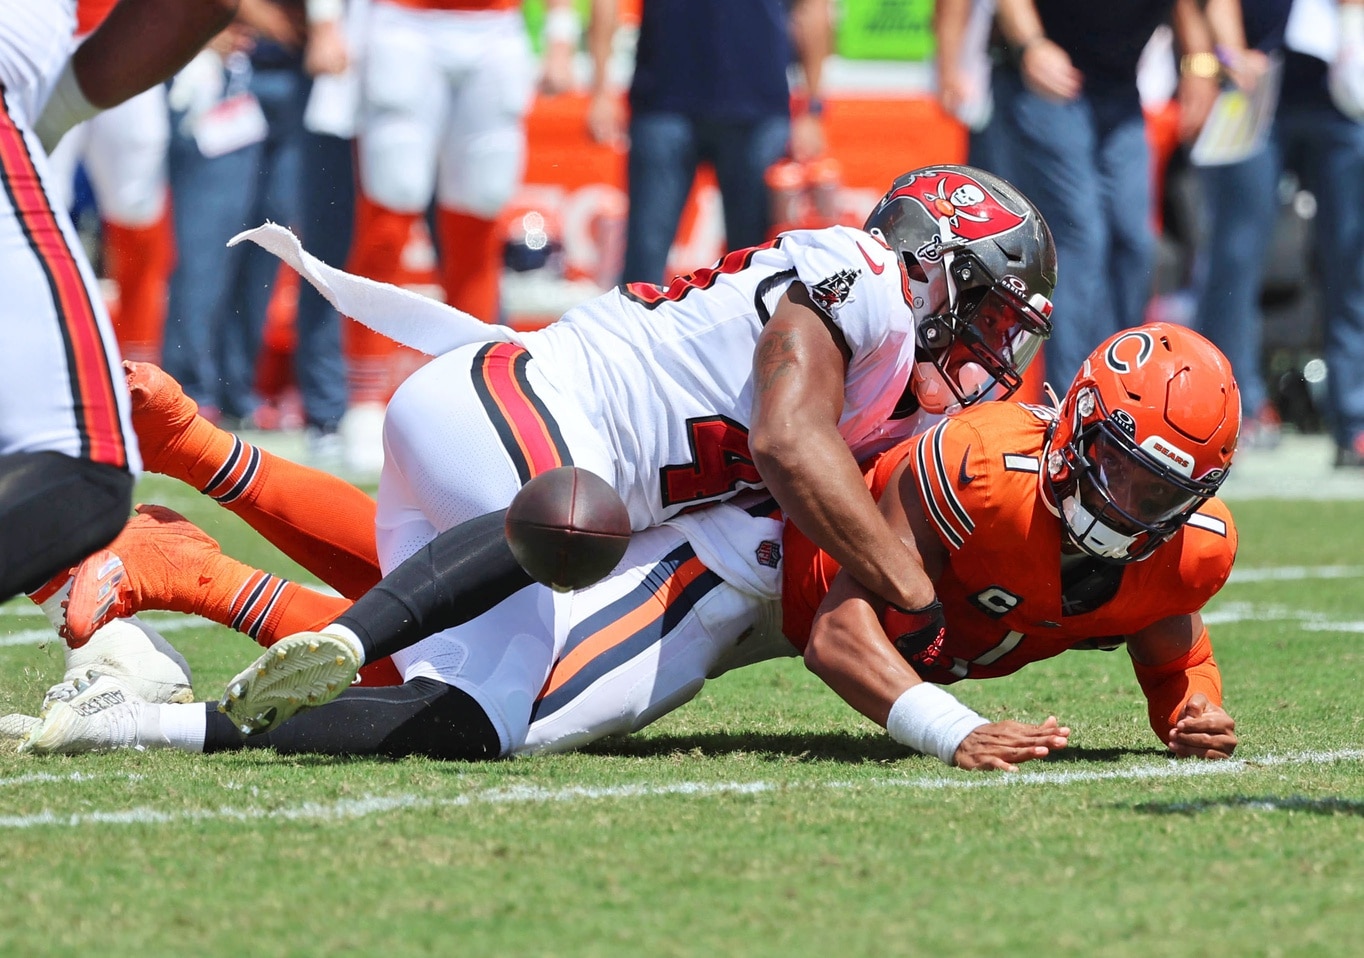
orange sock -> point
(267, 608)
(139, 259)
(376, 252)
(321, 522)
(471, 263)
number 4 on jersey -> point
(720, 463)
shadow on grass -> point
(1071, 754)
(1255, 803)
(845, 747)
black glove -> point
(918, 634)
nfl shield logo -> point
(769, 553)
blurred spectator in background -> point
(963, 68)
(123, 151)
(445, 89)
(327, 213)
(1319, 132)
(237, 119)
(709, 85)
(1074, 118)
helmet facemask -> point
(986, 332)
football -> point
(568, 528)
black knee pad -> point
(54, 511)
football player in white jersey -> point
(67, 450)
(775, 368)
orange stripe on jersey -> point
(93, 396)
(626, 626)
(524, 423)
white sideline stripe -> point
(1291, 572)
(379, 804)
(45, 634)
(1224, 613)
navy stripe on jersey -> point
(651, 630)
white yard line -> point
(1289, 573)
(350, 809)
(170, 622)
(45, 778)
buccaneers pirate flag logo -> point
(969, 210)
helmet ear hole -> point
(914, 269)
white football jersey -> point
(667, 373)
(35, 42)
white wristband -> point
(931, 721)
(66, 107)
(562, 26)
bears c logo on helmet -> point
(1129, 351)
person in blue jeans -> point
(218, 296)
(1326, 148)
(709, 86)
(1067, 100)
(327, 216)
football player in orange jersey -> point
(1045, 531)
(1028, 562)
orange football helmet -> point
(1145, 435)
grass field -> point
(765, 818)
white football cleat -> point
(138, 656)
(301, 671)
(103, 715)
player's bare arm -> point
(1173, 660)
(798, 381)
(142, 43)
(139, 44)
(850, 650)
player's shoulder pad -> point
(1208, 548)
(979, 469)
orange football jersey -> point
(977, 477)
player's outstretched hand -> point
(1204, 730)
(1002, 745)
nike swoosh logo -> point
(964, 478)
(876, 268)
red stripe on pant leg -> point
(96, 408)
(533, 435)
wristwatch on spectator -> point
(1204, 65)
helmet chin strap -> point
(1092, 535)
